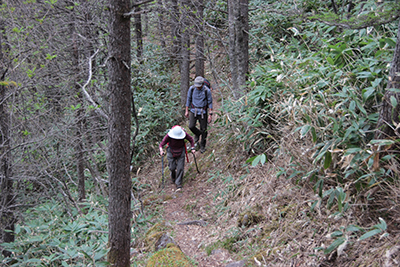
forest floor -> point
(288, 228)
(194, 202)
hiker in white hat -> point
(176, 148)
(199, 107)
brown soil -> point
(191, 204)
(194, 203)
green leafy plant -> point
(51, 237)
(343, 236)
(257, 159)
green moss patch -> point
(171, 256)
(154, 234)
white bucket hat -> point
(177, 132)
(198, 82)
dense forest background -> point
(307, 92)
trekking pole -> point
(162, 169)
(195, 163)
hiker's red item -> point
(187, 157)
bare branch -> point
(133, 11)
(98, 110)
(134, 114)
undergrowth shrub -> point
(51, 236)
(321, 87)
(156, 98)
(157, 113)
(326, 86)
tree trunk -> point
(160, 24)
(244, 11)
(233, 7)
(7, 216)
(185, 67)
(238, 45)
(199, 39)
(138, 32)
(79, 125)
(184, 59)
(175, 36)
(389, 111)
(118, 157)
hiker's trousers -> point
(176, 166)
(203, 127)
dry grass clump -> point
(295, 232)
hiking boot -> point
(203, 145)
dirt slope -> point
(288, 233)
(192, 204)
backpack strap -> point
(191, 93)
(205, 92)
(206, 82)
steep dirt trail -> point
(193, 203)
(190, 205)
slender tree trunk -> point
(244, 11)
(233, 13)
(138, 32)
(389, 113)
(7, 216)
(175, 35)
(184, 59)
(185, 66)
(238, 45)
(79, 125)
(118, 158)
(160, 24)
(199, 39)
(80, 162)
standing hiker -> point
(176, 151)
(199, 101)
